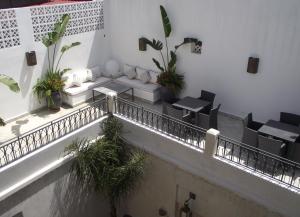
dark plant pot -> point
(56, 101)
(167, 96)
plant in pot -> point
(12, 85)
(109, 164)
(172, 82)
(49, 87)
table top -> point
(280, 130)
(112, 87)
(191, 104)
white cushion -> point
(96, 71)
(145, 77)
(131, 75)
(91, 76)
(86, 86)
(139, 73)
(112, 68)
(138, 84)
(153, 76)
(127, 68)
(77, 79)
(68, 80)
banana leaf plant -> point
(12, 85)
(168, 78)
(52, 82)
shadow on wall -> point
(96, 49)
(57, 194)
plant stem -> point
(162, 56)
(59, 60)
(53, 58)
(168, 60)
(48, 57)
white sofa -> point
(76, 95)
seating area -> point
(280, 138)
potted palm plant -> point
(50, 86)
(172, 82)
(109, 164)
(12, 85)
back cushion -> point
(139, 73)
(153, 76)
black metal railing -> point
(45, 134)
(272, 166)
(180, 130)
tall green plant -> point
(52, 81)
(12, 85)
(169, 77)
(108, 164)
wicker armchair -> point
(271, 145)
(290, 118)
(170, 110)
(207, 121)
(207, 96)
(250, 134)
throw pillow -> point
(131, 75)
(112, 67)
(90, 75)
(153, 76)
(68, 80)
(77, 80)
(139, 72)
(145, 77)
(96, 71)
(127, 69)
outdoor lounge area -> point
(137, 108)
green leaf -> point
(165, 21)
(68, 47)
(2, 123)
(158, 64)
(10, 83)
(173, 61)
(58, 31)
(65, 70)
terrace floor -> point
(229, 126)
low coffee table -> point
(113, 88)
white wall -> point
(231, 32)
(94, 50)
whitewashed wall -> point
(231, 32)
(94, 50)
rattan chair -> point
(271, 145)
(207, 121)
(290, 118)
(207, 96)
(170, 110)
(250, 134)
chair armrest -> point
(187, 118)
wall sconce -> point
(31, 58)
(186, 211)
(196, 45)
(253, 65)
(143, 44)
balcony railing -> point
(39, 137)
(177, 129)
(272, 166)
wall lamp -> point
(253, 64)
(31, 58)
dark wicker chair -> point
(170, 110)
(271, 145)
(290, 118)
(294, 151)
(250, 134)
(207, 121)
(207, 96)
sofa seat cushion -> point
(86, 86)
(138, 84)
